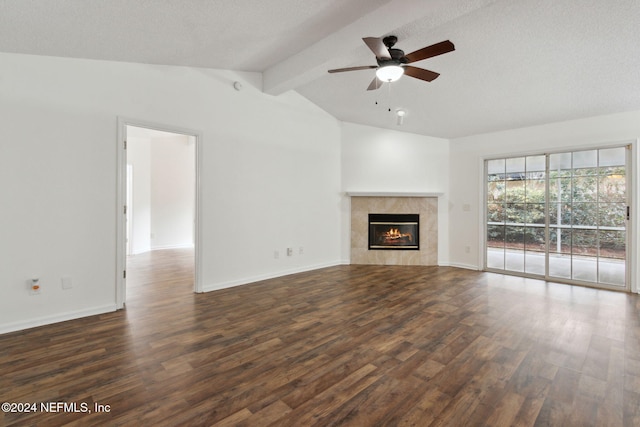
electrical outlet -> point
(300, 250)
(289, 251)
(467, 249)
(34, 286)
(276, 254)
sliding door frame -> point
(632, 238)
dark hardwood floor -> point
(347, 345)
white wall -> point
(139, 156)
(381, 160)
(270, 167)
(163, 205)
(172, 191)
(467, 156)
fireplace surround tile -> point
(426, 207)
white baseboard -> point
(62, 317)
(459, 265)
(253, 279)
(187, 246)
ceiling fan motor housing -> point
(389, 41)
(398, 55)
(397, 58)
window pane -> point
(560, 266)
(534, 262)
(585, 159)
(612, 188)
(612, 170)
(612, 156)
(611, 271)
(496, 191)
(612, 243)
(612, 214)
(495, 246)
(514, 260)
(495, 177)
(536, 163)
(560, 161)
(534, 250)
(564, 234)
(495, 212)
(515, 191)
(515, 165)
(535, 190)
(515, 213)
(584, 242)
(560, 214)
(535, 213)
(536, 175)
(560, 253)
(585, 214)
(534, 239)
(514, 237)
(495, 258)
(560, 186)
(495, 236)
(585, 189)
(495, 166)
(584, 268)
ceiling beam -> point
(341, 48)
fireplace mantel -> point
(392, 194)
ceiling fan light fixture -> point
(389, 73)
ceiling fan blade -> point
(377, 47)
(362, 67)
(420, 73)
(431, 51)
(375, 84)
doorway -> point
(159, 191)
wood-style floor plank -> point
(348, 345)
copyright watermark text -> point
(75, 407)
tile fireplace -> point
(397, 247)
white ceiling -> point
(517, 62)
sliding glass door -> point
(516, 214)
(560, 216)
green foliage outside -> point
(592, 201)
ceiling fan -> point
(392, 63)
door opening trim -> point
(121, 201)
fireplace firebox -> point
(394, 231)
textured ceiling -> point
(516, 63)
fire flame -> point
(394, 234)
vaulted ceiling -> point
(516, 63)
